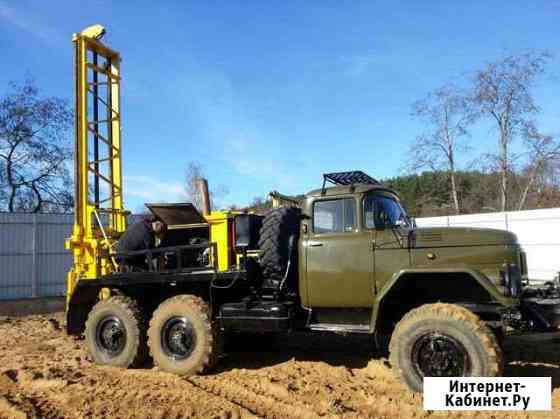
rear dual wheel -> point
(181, 337)
(116, 333)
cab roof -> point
(349, 189)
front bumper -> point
(538, 310)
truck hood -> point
(460, 236)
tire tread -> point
(199, 306)
(132, 309)
(473, 322)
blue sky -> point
(269, 95)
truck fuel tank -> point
(257, 316)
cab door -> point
(339, 257)
(389, 224)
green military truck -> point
(346, 259)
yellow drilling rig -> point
(199, 247)
(100, 217)
(203, 254)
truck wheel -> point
(181, 337)
(116, 333)
(443, 340)
(277, 228)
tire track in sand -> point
(26, 400)
(258, 402)
(160, 394)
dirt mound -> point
(44, 373)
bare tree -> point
(447, 115)
(543, 156)
(34, 151)
(502, 92)
(193, 172)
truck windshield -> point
(381, 211)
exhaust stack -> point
(202, 188)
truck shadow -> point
(535, 355)
(255, 351)
(252, 351)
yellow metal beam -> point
(96, 65)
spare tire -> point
(280, 227)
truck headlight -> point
(511, 275)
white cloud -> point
(360, 64)
(235, 133)
(256, 159)
(30, 25)
(153, 190)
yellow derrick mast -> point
(99, 216)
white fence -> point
(538, 232)
(33, 261)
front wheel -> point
(181, 337)
(443, 340)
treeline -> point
(428, 194)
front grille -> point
(435, 236)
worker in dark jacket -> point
(139, 236)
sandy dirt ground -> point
(46, 374)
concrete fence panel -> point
(33, 261)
